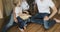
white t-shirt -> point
(18, 10)
(43, 6)
(24, 6)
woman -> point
(20, 7)
(11, 21)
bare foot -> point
(22, 30)
(58, 21)
(24, 27)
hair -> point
(15, 2)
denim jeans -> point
(11, 23)
(39, 19)
(21, 22)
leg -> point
(21, 24)
(48, 24)
(38, 21)
(38, 18)
(6, 27)
(21, 30)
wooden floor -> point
(32, 27)
(39, 28)
(1, 24)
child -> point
(19, 16)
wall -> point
(57, 3)
(1, 9)
(7, 6)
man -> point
(11, 23)
(43, 16)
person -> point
(18, 14)
(44, 15)
(11, 21)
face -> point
(19, 3)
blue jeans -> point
(21, 22)
(9, 24)
(12, 23)
(39, 19)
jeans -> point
(11, 23)
(21, 22)
(39, 19)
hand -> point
(46, 18)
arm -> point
(14, 16)
(52, 5)
(53, 12)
